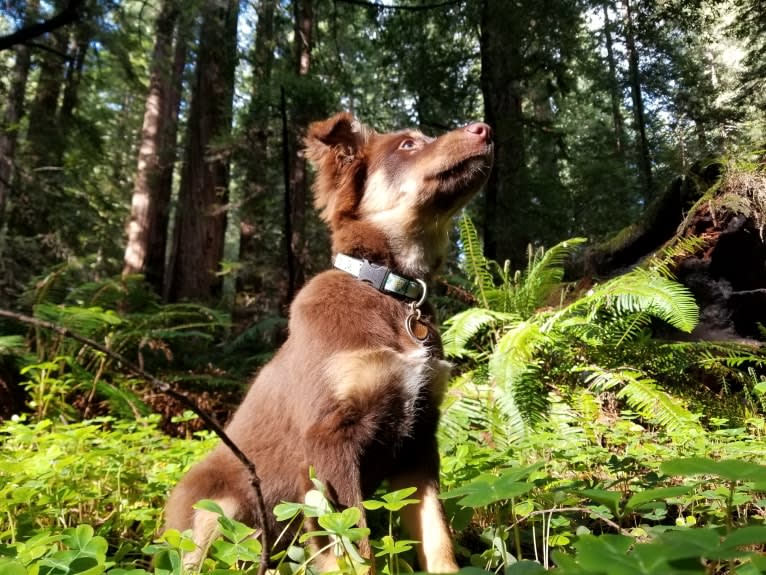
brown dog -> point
(355, 390)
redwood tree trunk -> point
(155, 272)
(296, 242)
(12, 115)
(257, 128)
(634, 76)
(505, 195)
(614, 86)
(45, 139)
(144, 205)
(203, 195)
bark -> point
(159, 225)
(259, 114)
(614, 86)
(201, 216)
(78, 49)
(505, 195)
(298, 186)
(634, 78)
(144, 219)
(44, 136)
(12, 116)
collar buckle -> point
(383, 279)
(374, 274)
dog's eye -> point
(408, 144)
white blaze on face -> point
(399, 195)
(392, 206)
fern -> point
(682, 247)
(517, 335)
(544, 274)
(466, 325)
(87, 321)
(642, 291)
(643, 394)
(11, 344)
(476, 265)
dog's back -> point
(354, 392)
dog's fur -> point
(350, 392)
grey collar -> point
(382, 278)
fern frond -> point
(515, 427)
(123, 402)
(641, 291)
(663, 262)
(643, 395)
(476, 265)
(464, 326)
(517, 382)
(12, 344)
(84, 320)
(544, 274)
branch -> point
(410, 7)
(44, 48)
(71, 13)
(163, 387)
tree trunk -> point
(13, 113)
(157, 244)
(44, 136)
(505, 195)
(78, 49)
(614, 86)
(296, 242)
(144, 206)
(34, 201)
(634, 77)
(257, 129)
(201, 216)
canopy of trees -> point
(164, 138)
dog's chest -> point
(424, 376)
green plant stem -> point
(603, 518)
(730, 507)
(164, 387)
(517, 540)
(393, 569)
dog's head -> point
(390, 197)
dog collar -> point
(382, 278)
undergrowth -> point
(86, 498)
(573, 437)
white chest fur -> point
(362, 377)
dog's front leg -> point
(426, 522)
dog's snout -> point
(480, 129)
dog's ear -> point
(333, 146)
(343, 136)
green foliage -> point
(524, 341)
(124, 315)
(590, 405)
(108, 473)
(85, 498)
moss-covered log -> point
(718, 213)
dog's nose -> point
(480, 129)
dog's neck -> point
(418, 258)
